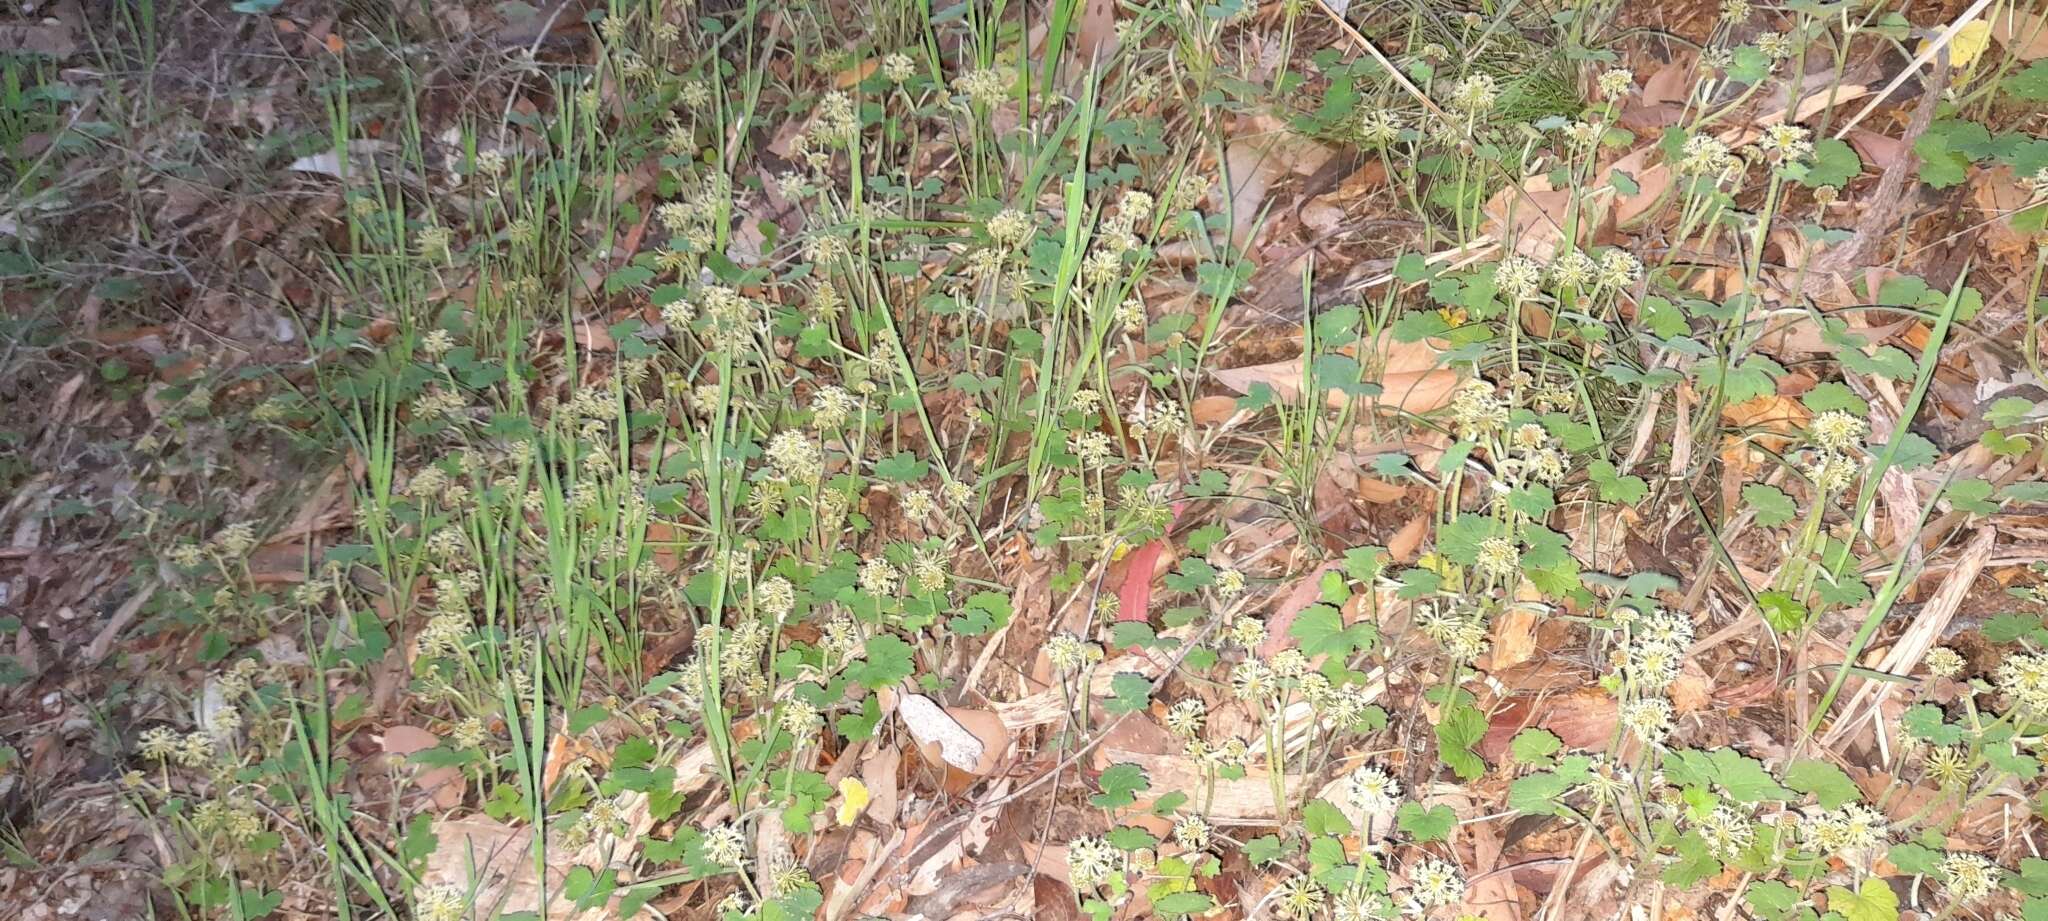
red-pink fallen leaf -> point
(1300, 596)
(1134, 596)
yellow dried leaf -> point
(1968, 45)
(853, 798)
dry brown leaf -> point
(935, 859)
(1651, 184)
(1881, 151)
(1492, 895)
(1769, 424)
(50, 37)
(445, 785)
(878, 772)
(1691, 692)
(1402, 546)
(2024, 35)
(1306, 590)
(1245, 801)
(1514, 638)
(1599, 533)
(1669, 85)
(1536, 217)
(1096, 39)
(848, 78)
(1778, 416)
(1257, 161)
(1998, 193)
(1408, 374)
(1583, 718)
(1213, 410)
(1346, 477)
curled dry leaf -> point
(1692, 691)
(1409, 374)
(1493, 895)
(1213, 410)
(1134, 596)
(1514, 638)
(50, 37)
(851, 77)
(1402, 546)
(1097, 40)
(1759, 425)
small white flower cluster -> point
(1373, 789)
(1115, 237)
(725, 846)
(1837, 438)
(898, 68)
(1705, 155)
(1478, 410)
(163, 743)
(1851, 829)
(836, 119)
(1378, 126)
(878, 577)
(1433, 883)
(1782, 143)
(1617, 83)
(987, 87)
(1534, 457)
(1969, 877)
(1656, 649)
(1460, 634)
(1068, 653)
(795, 457)
(440, 903)
(1092, 860)
(2023, 677)
(1475, 95)
(1726, 831)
